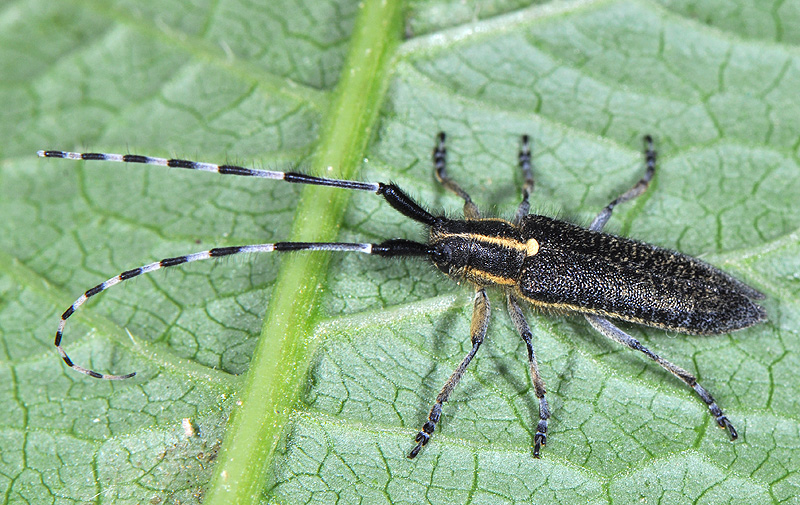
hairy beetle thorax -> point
(482, 251)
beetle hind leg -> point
(640, 187)
(608, 329)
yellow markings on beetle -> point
(531, 247)
(491, 278)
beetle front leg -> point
(480, 322)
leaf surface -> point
(714, 82)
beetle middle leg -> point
(480, 322)
(540, 439)
(527, 184)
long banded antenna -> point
(394, 195)
(389, 248)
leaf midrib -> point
(282, 355)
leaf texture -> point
(258, 84)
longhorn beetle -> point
(550, 264)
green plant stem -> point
(280, 361)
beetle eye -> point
(442, 254)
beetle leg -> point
(527, 185)
(440, 169)
(480, 322)
(524, 330)
(608, 329)
(640, 187)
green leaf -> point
(329, 363)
